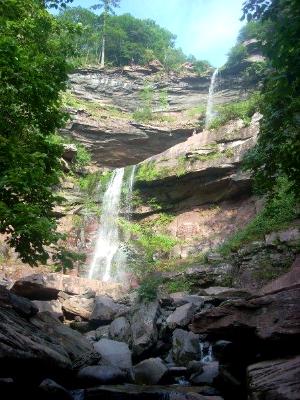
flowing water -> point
(210, 102)
(109, 251)
(206, 352)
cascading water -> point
(130, 188)
(107, 244)
(210, 102)
(109, 251)
(206, 352)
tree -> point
(108, 8)
(278, 149)
(33, 72)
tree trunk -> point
(102, 52)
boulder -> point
(223, 293)
(78, 306)
(47, 286)
(182, 316)
(209, 373)
(106, 310)
(21, 305)
(102, 374)
(69, 152)
(185, 347)
(149, 372)
(53, 306)
(114, 353)
(153, 392)
(42, 343)
(53, 391)
(270, 317)
(181, 298)
(274, 379)
(290, 279)
(120, 330)
(143, 327)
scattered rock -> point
(21, 305)
(53, 391)
(47, 286)
(143, 327)
(120, 330)
(102, 374)
(182, 316)
(114, 353)
(149, 372)
(209, 373)
(78, 306)
(106, 310)
(185, 347)
(53, 306)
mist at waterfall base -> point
(109, 253)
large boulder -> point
(185, 347)
(149, 372)
(120, 330)
(78, 306)
(47, 286)
(102, 374)
(21, 305)
(41, 343)
(106, 310)
(207, 375)
(54, 307)
(271, 317)
(143, 327)
(114, 353)
(70, 151)
(274, 379)
(182, 316)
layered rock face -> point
(114, 138)
(203, 169)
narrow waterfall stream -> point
(210, 102)
(108, 248)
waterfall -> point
(210, 102)
(130, 188)
(107, 244)
(109, 250)
(206, 352)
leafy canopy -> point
(278, 149)
(33, 72)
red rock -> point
(275, 380)
(290, 279)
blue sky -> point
(205, 28)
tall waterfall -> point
(109, 251)
(107, 244)
(210, 102)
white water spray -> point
(130, 189)
(107, 244)
(210, 102)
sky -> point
(205, 28)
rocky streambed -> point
(63, 337)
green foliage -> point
(237, 55)
(253, 30)
(242, 109)
(279, 211)
(148, 288)
(65, 259)
(147, 172)
(178, 285)
(149, 241)
(278, 149)
(145, 113)
(83, 157)
(129, 40)
(33, 72)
